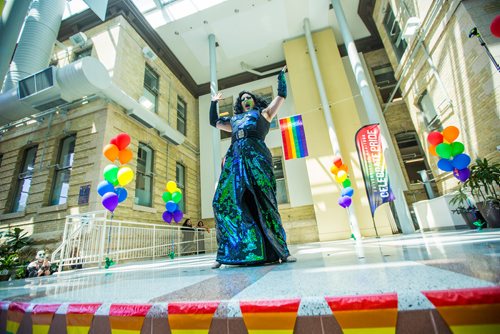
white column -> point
(213, 90)
(374, 116)
(334, 142)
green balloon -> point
(176, 197)
(166, 196)
(111, 174)
(456, 148)
(346, 183)
(444, 150)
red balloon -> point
(113, 141)
(122, 141)
(435, 138)
(495, 26)
(337, 161)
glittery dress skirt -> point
(248, 224)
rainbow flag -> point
(294, 138)
(127, 318)
(192, 318)
(366, 314)
(79, 317)
(15, 315)
(41, 317)
(270, 316)
(468, 310)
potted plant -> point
(465, 208)
(483, 182)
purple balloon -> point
(167, 217)
(171, 206)
(177, 215)
(104, 187)
(462, 174)
(122, 194)
(461, 161)
(110, 201)
(445, 165)
(345, 201)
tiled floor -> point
(406, 265)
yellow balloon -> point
(125, 175)
(341, 176)
(334, 170)
(178, 190)
(171, 186)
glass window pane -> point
(62, 173)
(181, 115)
(180, 174)
(144, 176)
(24, 180)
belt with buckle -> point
(240, 134)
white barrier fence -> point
(90, 238)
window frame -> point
(146, 174)
(435, 123)
(182, 116)
(59, 170)
(394, 33)
(287, 195)
(154, 91)
(23, 174)
(181, 186)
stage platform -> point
(435, 282)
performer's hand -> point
(217, 97)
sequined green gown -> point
(248, 224)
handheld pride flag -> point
(294, 138)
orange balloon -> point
(344, 168)
(110, 151)
(432, 150)
(450, 133)
(125, 156)
(334, 169)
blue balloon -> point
(347, 191)
(122, 194)
(105, 187)
(171, 206)
(461, 161)
(445, 165)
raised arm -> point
(272, 109)
(215, 121)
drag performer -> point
(248, 224)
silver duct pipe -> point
(334, 142)
(85, 77)
(37, 40)
(11, 22)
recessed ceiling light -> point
(236, 10)
(176, 32)
(205, 21)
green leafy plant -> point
(8, 262)
(17, 239)
(461, 202)
(484, 178)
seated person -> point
(39, 267)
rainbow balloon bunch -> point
(340, 170)
(443, 145)
(172, 196)
(114, 175)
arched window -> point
(24, 178)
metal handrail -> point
(90, 238)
